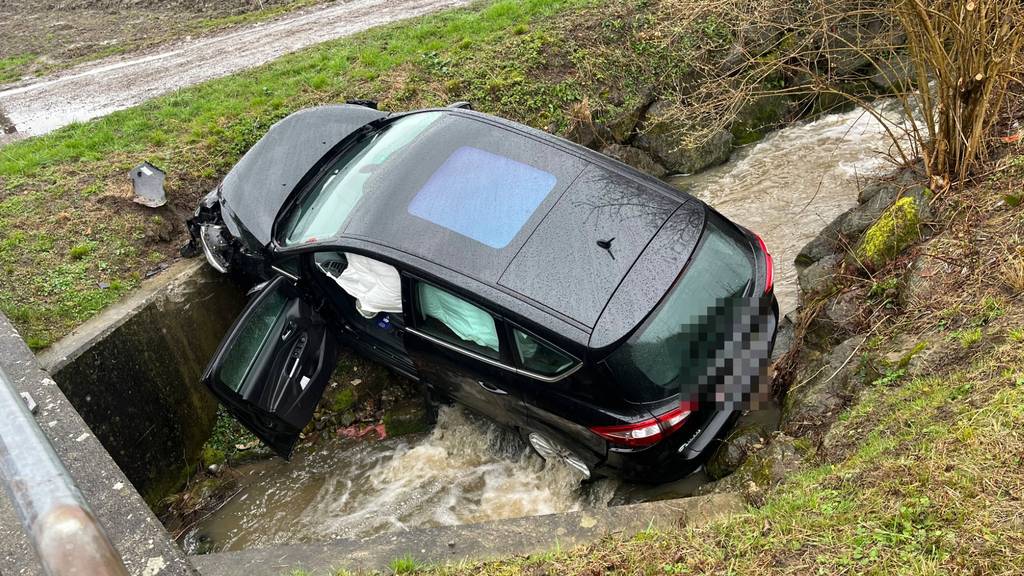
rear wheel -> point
(554, 452)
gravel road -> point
(102, 87)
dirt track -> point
(86, 92)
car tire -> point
(555, 451)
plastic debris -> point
(148, 184)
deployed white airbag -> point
(376, 286)
(468, 322)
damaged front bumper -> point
(210, 236)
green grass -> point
(13, 67)
(531, 61)
(403, 565)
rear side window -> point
(538, 357)
(456, 321)
(654, 363)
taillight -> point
(769, 274)
(646, 433)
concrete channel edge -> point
(471, 542)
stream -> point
(466, 470)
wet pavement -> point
(105, 86)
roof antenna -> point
(607, 245)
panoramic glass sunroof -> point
(482, 196)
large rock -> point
(861, 217)
(763, 468)
(818, 277)
(872, 200)
(733, 451)
(894, 74)
(757, 117)
(837, 320)
(823, 388)
(665, 140)
(636, 158)
(896, 229)
(623, 125)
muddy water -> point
(787, 187)
(465, 471)
(791, 184)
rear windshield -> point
(654, 362)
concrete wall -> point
(133, 373)
(144, 546)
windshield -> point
(657, 359)
(323, 211)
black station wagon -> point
(534, 281)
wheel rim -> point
(551, 451)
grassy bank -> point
(72, 242)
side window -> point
(456, 321)
(537, 357)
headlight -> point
(216, 246)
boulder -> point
(589, 133)
(624, 124)
(894, 74)
(822, 388)
(784, 336)
(758, 116)
(733, 451)
(817, 278)
(836, 320)
(824, 244)
(663, 138)
(763, 468)
(636, 158)
(898, 227)
(862, 216)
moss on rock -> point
(896, 229)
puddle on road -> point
(787, 187)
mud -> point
(105, 86)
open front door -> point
(271, 369)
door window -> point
(538, 357)
(456, 321)
(253, 337)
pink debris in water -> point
(361, 431)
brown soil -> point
(57, 34)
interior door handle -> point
(491, 389)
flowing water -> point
(795, 181)
(786, 187)
(466, 470)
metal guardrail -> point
(65, 534)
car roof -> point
(521, 211)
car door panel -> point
(271, 369)
(485, 385)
